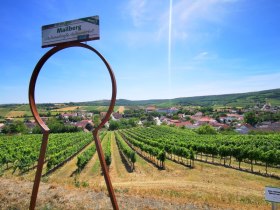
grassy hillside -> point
(237, 99)
(232, 100)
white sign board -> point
(79, 30)
(272, 194)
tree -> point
(175, 117)
(114, 125)
(57, 126)
(191, 154)
(75, 118)
(96, 120)
(150, 118)
(187, 118)
(252, 154)
(149, 123)
(161, 156)
(213, 150)
(251, 118)
(239, 154)
(6, 129)
(108, 160)
(49, 114)
(15, 127)
(132, 122)
(223, 152)
(206, 110)
(133, 159)
(268, 157)
(206, 129)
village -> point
(259, 119)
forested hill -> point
(237, 100)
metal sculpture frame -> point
(46, 130)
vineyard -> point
(260, 150)
(21, 152)
(154, 144)
(151, 160)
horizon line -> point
(143, 99)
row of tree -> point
(57, 126)
(22, 152)
(122, 123)
(85, 157)
(15, 127)
(62, 151)
(125, 149)
(263, 149)
(254, 117)
(107, 149)
(156, 153)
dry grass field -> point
(15, 114)
(178, 187)
(65, 109)
(121, 109)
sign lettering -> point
(80, 30)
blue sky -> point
(210, 47)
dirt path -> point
(87, 171)
(118, 171)
(92, 171)
(67, 172)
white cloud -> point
(201, 55)
(187, 16)
(142, 12)
(137, 11)
(205, 56)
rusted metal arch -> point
(46, 130)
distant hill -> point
(236, 99)
(232, 100)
